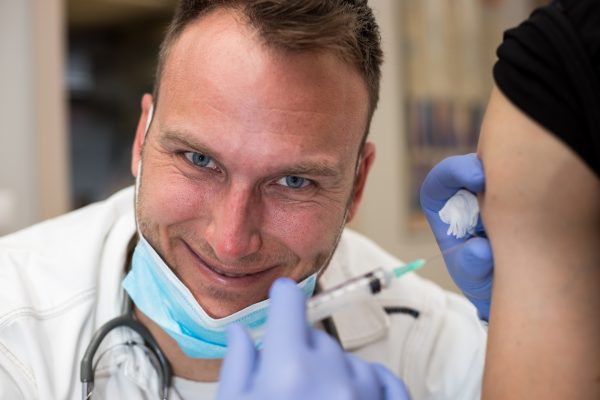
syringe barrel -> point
(354, 290)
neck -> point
(195, 369)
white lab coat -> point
(61, 279)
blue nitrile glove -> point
(298, 362)
(471, 266)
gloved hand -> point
(471, 265)
(298, 362)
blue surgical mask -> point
(161, 296)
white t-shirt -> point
(192, 390)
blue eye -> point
(198, 159)
(294, 182)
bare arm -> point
(541, 209)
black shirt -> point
(549, 67)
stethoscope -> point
(126, 320)
(164, 368)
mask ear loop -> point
(322, 269)
(138, 176)
(149, 119)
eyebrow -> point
(175, 137)
(313, 168)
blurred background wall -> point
(72, 73)
(34, 174)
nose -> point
(234, 229)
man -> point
(249, 159)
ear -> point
(140, 133)
(366, 162)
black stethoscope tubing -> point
(126, 320)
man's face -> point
(250, 162)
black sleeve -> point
(549, 67)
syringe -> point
(324, 304)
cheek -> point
(169, 198)
(308, 232)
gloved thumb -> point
(286, 323)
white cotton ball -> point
(461, 212)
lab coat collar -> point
(111, 296)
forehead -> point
(219, 72)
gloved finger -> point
(450, 175)
(364, 378)
(471, 266)
(327, 355)
(473, 262)
(472, 269)
(394, 388)
(286, 323)
(326, 346)
(239, 364)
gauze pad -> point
(461, 212)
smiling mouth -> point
(227, 274)
(235, 275)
